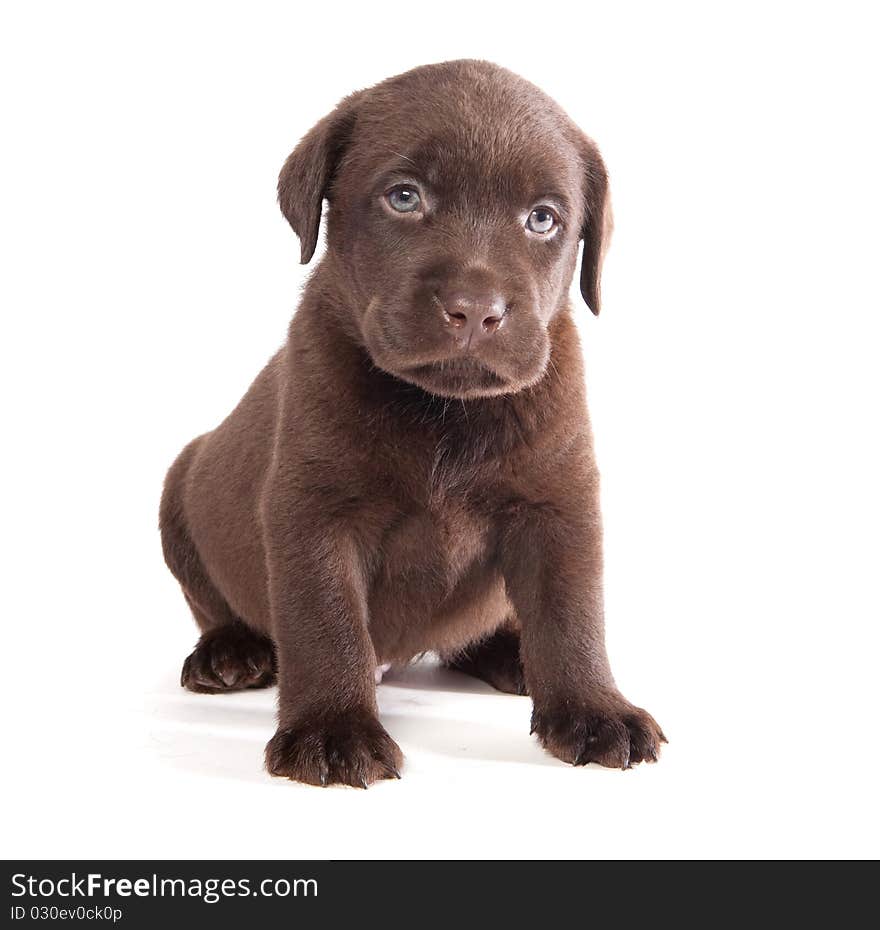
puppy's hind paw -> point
(230, 658)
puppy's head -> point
(458, 194)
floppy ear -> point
(597, 227)
(307, 175)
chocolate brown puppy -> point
(414, 469)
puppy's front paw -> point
(612, 732)
(350, 748)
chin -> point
(458, 378)
(462, 379)
(461, 376)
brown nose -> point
(472, 317)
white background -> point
(148, 275)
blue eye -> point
(404, 199)
(541, 220)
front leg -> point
(552, 557)
(328, 728)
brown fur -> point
(383, 488)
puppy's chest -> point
(443, 533)
(434, 547)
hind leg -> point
(229, 656)
(494, 659)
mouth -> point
(456, 377)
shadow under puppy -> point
(414, 469)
